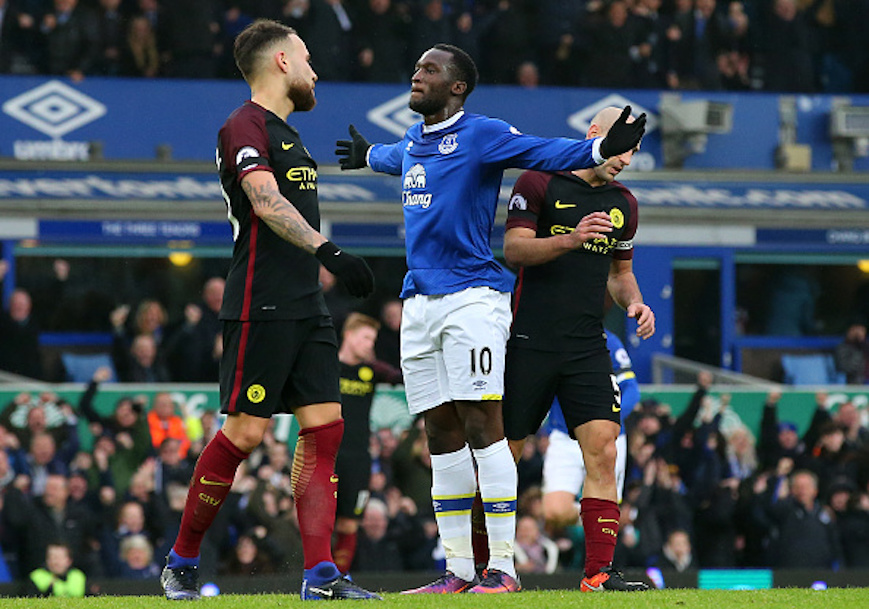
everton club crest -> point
(448, 143)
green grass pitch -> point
(782, 598)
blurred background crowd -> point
(774, 45)
(702, 489)
(103, 492)
(157, 322)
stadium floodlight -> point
(849, 132)
(685, 125)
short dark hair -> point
(462, 66)
(256, 37)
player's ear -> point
(282, 61)
(459, 87)
(593, 131)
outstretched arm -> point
(357, 153)
(352, 153)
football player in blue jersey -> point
(456, 316)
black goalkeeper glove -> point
(623, 136)
(351, 153)
(353, 270)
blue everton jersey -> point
(451, 178)
(625, 377)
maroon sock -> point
(479, 534)
(600, 519)
(315, 488)
(212, 479)
(344, 551)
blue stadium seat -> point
(80, 367)
(812, 369)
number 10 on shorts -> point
(483, 361)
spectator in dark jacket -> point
(51, 518)
(139, 364)
(191, 349)
(17, 32)
(191, 28)
(43, 461)
(830, 459)
(608, 40)
(788, 50)
(382, 42)
(805, 534)
(248, 559)
(376, 549)
(851, 354)
(698, 37)
(853, 527)
(330, 39)
(19, 347)
(137, 559)
(71, 38)
(111, 38)
(130, 522)
(677, 552)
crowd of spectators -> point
(774, 45)
(116, 506)
(147, 339)
(109, 488)
(700, 492)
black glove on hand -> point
(623, 136)
(351, 153)
(353, 270)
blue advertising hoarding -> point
(129, 119)
(356, 187)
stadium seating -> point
(80, 367)
(811, 369)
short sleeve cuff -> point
(595, 150)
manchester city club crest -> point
(448, 144)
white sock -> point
(496, 471)
(453, 489)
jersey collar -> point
(443, 124)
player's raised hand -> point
(623, 136)
(352, 270)
(351, 153)
(645, 319)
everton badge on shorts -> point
(448, 143)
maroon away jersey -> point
(269, 278)
(559, 305)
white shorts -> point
(564, 467)
(452, 347)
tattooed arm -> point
(278, 213)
